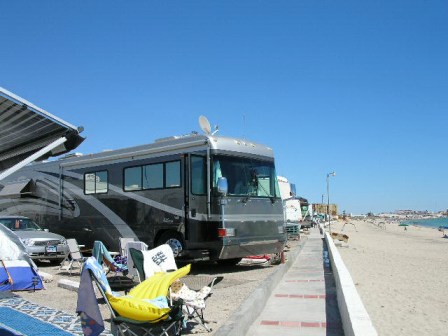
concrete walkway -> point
(304, 302)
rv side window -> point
(172, 174)
(153, 176)
(198, 175)
(95, 183)
(133, 179)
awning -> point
(26, 129)
(16, 189)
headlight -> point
(28, 242)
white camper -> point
(291, 203)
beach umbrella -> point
(404, 224)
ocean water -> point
(432, 222)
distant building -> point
(322, 208)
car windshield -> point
(246, 176)
(20, 224)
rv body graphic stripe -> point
(116, 221)
(147, 201)
(136, 197)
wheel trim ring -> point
(175, 245)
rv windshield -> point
(245, 176)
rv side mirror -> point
(222, 186)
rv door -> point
(196, 199)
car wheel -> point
(174, 240)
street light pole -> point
(328, 199)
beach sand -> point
(401, 275)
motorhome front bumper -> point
(242, 249)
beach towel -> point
(191, 298)
(87, 307)
(102, 255)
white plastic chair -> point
(123, 242)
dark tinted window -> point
(153, 176)
(198, 175)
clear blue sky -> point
(358, 87)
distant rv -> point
(291, 203)
(209, 197)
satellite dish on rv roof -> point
(205, 124)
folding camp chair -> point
(138, 245)
(73, 256)
(145, 311)
(104, 257)
(122, 257)
(161, 259)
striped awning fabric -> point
(26, 128)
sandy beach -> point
(401, 275)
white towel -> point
(159, 259)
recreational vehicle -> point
(209, 197)
(291, 203)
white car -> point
(39, 243)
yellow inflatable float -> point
(143, 301)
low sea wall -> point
(355, 319)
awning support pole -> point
(32, 157)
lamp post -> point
(328, 199)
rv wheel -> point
(174, 240)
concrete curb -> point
(68, 284)
(355, 319)
(46, 277)
(240, 321)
